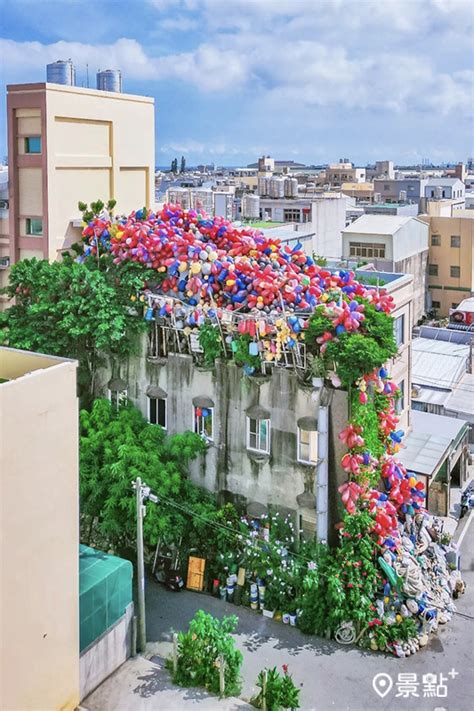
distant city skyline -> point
(235, 79)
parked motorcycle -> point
(165, 569)
(467, 499)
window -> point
(362, 249)
(455, 240)
(204, 422)
(399, 330)
(157, 411)
(291, 215)
(258, 435)
(435, 240)
(386, 187)
(455, 272)
(436, 304)
(433, 269)
(34, 226)
(307, 440)
(33, 144)
(400, 401)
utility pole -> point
(141, 636)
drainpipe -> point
(322, 472)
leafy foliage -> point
(69, 309)
(208, 643)
(115, 448)
(277, 690)
(241, 352)
(210, 342)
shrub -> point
(200, 650)
(277, 690)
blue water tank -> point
(110, 80)
(61, 72)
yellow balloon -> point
(182, 266)
(195, 268)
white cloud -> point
(25, 60)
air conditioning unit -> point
(4, 262)
(3, 204)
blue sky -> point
(308, 80)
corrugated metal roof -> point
(461, 400)
(429, 441)
(430, 396)
(377, 224)
(438, 363)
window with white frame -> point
(157, 411)
(204, 422)
(399, 330)
(307, 443)
(258, 434)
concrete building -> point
(264, 433)
(384, 169)
(325, 218)
(451, 260)
(67, 144)
(359, 191)
(394, 244)
(344, 172)
(404, 209)
(450, 188)
(39, 486)
(4, 232)
(410, 190)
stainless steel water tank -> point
(61, 72)
(110, 80)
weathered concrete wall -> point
(228, 467)
(102, 658)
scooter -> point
(467, 500)
(165, 570)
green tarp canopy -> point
(105, 591)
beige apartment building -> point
(451, 260)
(67, 144)
(39, 532)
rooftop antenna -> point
(87, 75)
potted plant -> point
(271, 601)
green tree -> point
(75, 310)
(115, 448)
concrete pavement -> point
(142, 685)
(330, 676)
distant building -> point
(359, 191)
(439, 188)
(344, 172)
(39, 487)
(405, 209)
(391, 243)
(400, 189)
(384, 169)
(66, 144)
(451, 260)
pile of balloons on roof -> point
(207, 261)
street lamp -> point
(143, 493)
